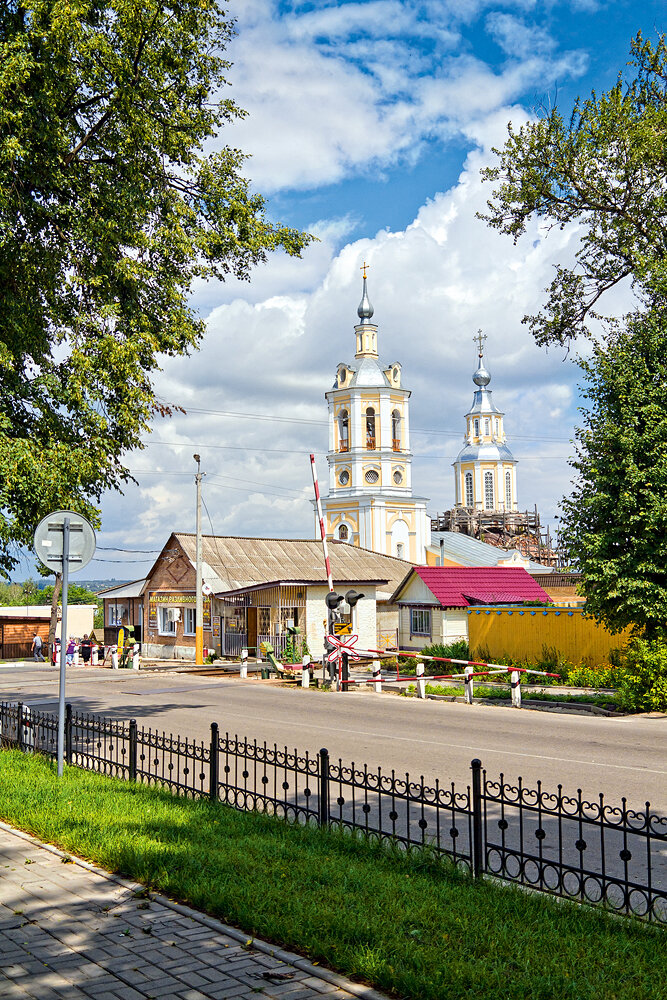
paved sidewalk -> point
(70, 932)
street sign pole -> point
(63, 649)
(61, 538)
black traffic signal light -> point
(352, 597)
(333, 600)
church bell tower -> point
(370, 501)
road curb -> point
(326, 975)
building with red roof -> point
(432, 599)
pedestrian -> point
(55, 652)
(69, 653)
(86, 649)
(37, 648)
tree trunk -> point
(57, 587)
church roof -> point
(460, 588)
(367, 373)
(485, 452)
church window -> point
(343, 533)
(487, 425)
(344, 478)
(508, 490)
(341, 377)
(476, 427)
(469, 491)
(370, 428)
(372, 477)
(497, 427)
(400, 548)
(488, 491)
(395, 374)
(398, 477)
(344, 430)
(396, 430)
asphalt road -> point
(621, 757)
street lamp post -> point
(199, 608)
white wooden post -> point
(135, 656)
(93, 655)
(244, 664)
(305, 672)
(421, 683)
(114, 657)
(468, 681)
(516, 689)
(377, 676)
(75, 661)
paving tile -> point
(69, 942)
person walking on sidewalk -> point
(69, 653)
(37, 648)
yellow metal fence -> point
(523, 633)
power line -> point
(324, 423)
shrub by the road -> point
(643, 684)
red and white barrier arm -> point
(320, 518)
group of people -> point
(85, 647)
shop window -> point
(420, 621)
(190, 621)
(167, 618)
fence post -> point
(468, 685)
(377, 676)
(114, 657)
(213, 775)
(305, 671)
(516, 689)
(133, 749)
(243, 673)
(421, 683)
(477, 842)
(19, 725)
(323, 817)
(68, 733)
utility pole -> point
(199, 612)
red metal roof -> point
(459, 587)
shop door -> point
(252, 631)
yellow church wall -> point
(498, 633)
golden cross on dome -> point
(364, 268)
(480, 340)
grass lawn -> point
(408, 925)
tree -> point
(606, 169)
(110, 206)
(615, 522)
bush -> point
(596, 677)
(458, 650)
(643, 687)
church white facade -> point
(370, 502)
(485, 469)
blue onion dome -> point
(365, 310)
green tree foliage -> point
(643, 687)
(604, 169)
(110, 206)
(615, 522)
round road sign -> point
(49, 541)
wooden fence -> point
(523, 634)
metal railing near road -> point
(587, 851)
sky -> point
(368, 124)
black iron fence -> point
(592, 852)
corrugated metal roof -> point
(133, 589)
(232, 563)
(472, 552)
(456, 587)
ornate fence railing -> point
(592, 852)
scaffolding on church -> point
(506, 529)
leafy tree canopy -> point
(606, 169)
(615, 522)
(110, 206)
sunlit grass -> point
(407, 924)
